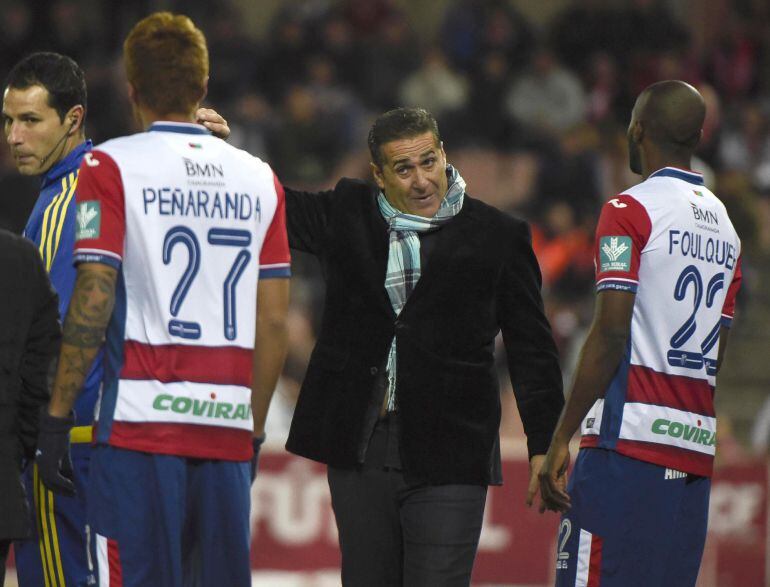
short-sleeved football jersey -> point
(191, 223)
(670, 241)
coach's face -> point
(413, 174)
(33, 129)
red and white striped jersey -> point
(191, 223)
(670, 241)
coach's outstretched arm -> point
(602, 353)
(87, 317)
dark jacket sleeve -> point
(307, 215)
(41, 349)
(533, 360)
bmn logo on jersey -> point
(195, 169)
(89, 219)
(615, 253)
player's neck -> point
(69, 145)
(148, 117)
(656, 161)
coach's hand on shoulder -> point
(256, 442)
(535, 465)
(213, 121)
(553, 478)
(53, 452)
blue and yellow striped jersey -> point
(51, 226)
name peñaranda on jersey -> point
(669, 241)
(190, 223)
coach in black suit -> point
(29, 340)
(401, 398)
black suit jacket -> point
(29, 341)
(482, 277)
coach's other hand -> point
(535, 466)
(553, 478)
(53, 452)
(256, 442)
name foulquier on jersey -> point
(711, 250)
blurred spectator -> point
(230, 73)
(570, 172)
(548, 97)
(473, 28)
(69, 31)
(745, 144)
(390, 57)
(284, 61)
(368, 17)
(303, 148)
(340, 108)
(564, 250)
(438, 89)
(17, 34)
(584, 28)
(606, 98)
(488, 123)
(336, 41)
(251, 124)
(732, 61)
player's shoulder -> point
(121, 143)
(241, 156)
(115, 150)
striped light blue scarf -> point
(404, 254)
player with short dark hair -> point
(178, 235)
(668, 264)
(44, 109)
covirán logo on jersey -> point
(690, 433)
(204, 408)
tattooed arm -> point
(84, 327)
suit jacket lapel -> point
(377, 233)
(453, 232)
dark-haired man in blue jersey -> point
(44, 110)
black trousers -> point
(394, 534)
(4, 547)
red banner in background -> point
(294, 530)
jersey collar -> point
(70, 163)
(692, 177)
(187, 128)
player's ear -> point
(132, 94)
(75, 118)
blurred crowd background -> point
(532, 98)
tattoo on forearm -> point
(89, 312)
(90, 309)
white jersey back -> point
(191, 223)
(670, 241)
